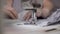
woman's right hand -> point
(27, 16)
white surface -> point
(29, 29)
(23, 29)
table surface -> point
(28, 29)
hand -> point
(27, 16)
(45, 12)
(39, 12)
(10, 11)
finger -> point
(10, 14)
(28, 17)
(38, 14)
(14, 13)
(25, 16)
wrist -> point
(9, 2)
(8, 5)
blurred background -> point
(11, 26)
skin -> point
(9, 10)
(47, 7)
(44, 12)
